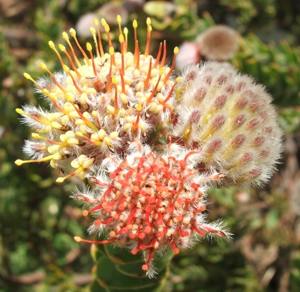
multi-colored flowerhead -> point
(149, 201)
(117, 118)
(230, 119)
(100, 102)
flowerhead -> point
(218, 43)
(231, 121)
(150, 202)
(100, 102)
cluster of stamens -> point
(150, 202)
(101, 103)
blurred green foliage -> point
(277, 66)
(38, 219)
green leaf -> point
(118, 270)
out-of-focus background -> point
(38, 219)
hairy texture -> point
(100, 104)
(219, 42)
(231, 120)
(116, 120)
(150, 202)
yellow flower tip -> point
(107, 28)
(35, 136)
(89, 47)
(105, 25)
(119, 19)
(111, 50)
(134, 24)
(139, 107)
(72, 32)
(176, 50)
(69, 97)
(66, 68)
(28, 76)
(65, 36)
(46, 92)
(51, 45)
(85, 213)
(62, 47)
(125, 31)
(77, 238)
(43, 66)
(19, 162)
(19, 111)
(93, 31)
(121, 38)
(60, 180)
(103, 22)
(149, 26)
(114, 80)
